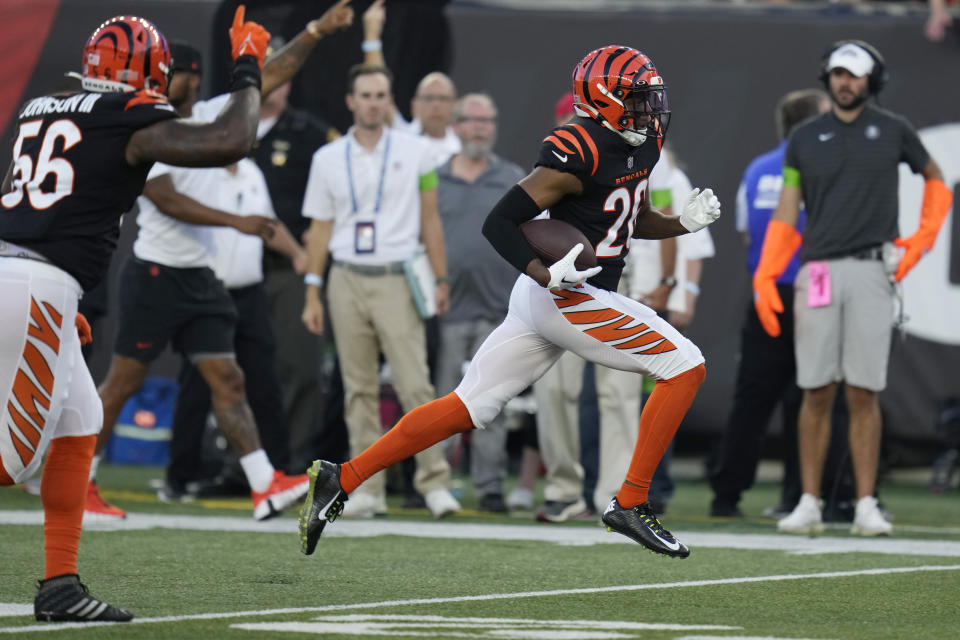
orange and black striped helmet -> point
(126, 53)
(620, 88)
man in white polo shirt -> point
(240, 190)
(373, 197)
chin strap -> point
(633, 138)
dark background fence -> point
(725, 69)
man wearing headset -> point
(844, 166)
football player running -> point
(79, 162)
(593, 173)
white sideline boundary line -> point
(492, 596)
(577, 536)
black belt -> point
(870, 253)
(371, 269)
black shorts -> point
(189, 308)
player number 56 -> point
(28, 177)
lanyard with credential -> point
(383, 172)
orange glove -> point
(779, 245)
(937, 199)
(83, 329)
(248, 38)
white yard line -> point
(495, 596)
(565, 535)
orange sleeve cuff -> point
(779, 245)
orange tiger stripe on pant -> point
(612, 330)
(27, 422)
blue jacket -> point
(757, 198)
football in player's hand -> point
(552, 239)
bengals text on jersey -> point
(615, 177)
(70, 181)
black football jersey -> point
(71, 181)
(615, 178)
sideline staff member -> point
(844, 166)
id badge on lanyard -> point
(365, 233)
(365, 237)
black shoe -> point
(323, 504)
(725, 510)
(557, 511)
(493, 502)
(780, 510)
(66, 599)
(175, 492)
(640, 524)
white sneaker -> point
(520, 498)
(363, 504)
(441, 503)
(805, 518)
(867, 519)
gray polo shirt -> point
(848, 173)
(480, 280)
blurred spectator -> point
(649, 278)
(766, 375)
(373, 198)
(237, 190)
(470, 184)
(938, 21)
(286, 140)
(844, 166)
(432, 104)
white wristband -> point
(692, 287)
(371, 45)
(314, 279)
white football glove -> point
(702, 209)
(563, 273)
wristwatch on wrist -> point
(668, 281)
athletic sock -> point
(63, 493)
(256, 466)
(661, 416)
(421, 428)
(94, 463)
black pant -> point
(766, 376)
(254, 348)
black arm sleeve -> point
(502, 227)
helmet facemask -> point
(646, 112)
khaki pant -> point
(370, 315)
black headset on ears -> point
(878, 77)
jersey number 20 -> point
(619, 201)
(28, 174)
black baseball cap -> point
(183, 57)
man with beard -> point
(844, 166)
(469, 185)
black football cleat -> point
(324, 503)
(66, 599)
(640, 524)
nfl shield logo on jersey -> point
(630, 162)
